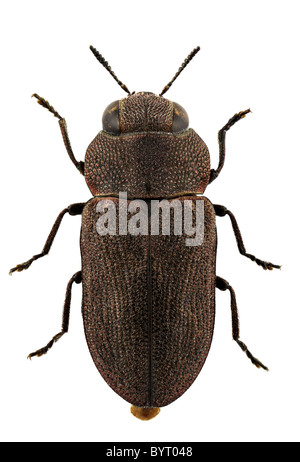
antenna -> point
(183, 65)
(107, 67)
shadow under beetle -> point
(148, 300)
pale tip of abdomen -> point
(144, 413)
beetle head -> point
(146, 148)
(144, 112)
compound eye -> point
(110, 119)
(180, 119)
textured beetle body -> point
(148, 297)
(148, 301)
(148, 308)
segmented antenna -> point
(183, 65)
(107, 67)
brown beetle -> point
(148, 298)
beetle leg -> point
(221, 138)
(73, 209)
(64, 131)
(223, 285)
(66, 316)
(221, 211)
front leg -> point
(221, 211)
(64, 131)
(73, 209)
(221, 138)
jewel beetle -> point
(148, 302)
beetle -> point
(148, 302)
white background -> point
(249, 58)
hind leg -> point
(223, 285)
(66, 316)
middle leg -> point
(221, 211)
(73, 209)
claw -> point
(21, 267)
(254, 360)
(44, 350)
(37, 353)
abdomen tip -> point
(144, 413)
